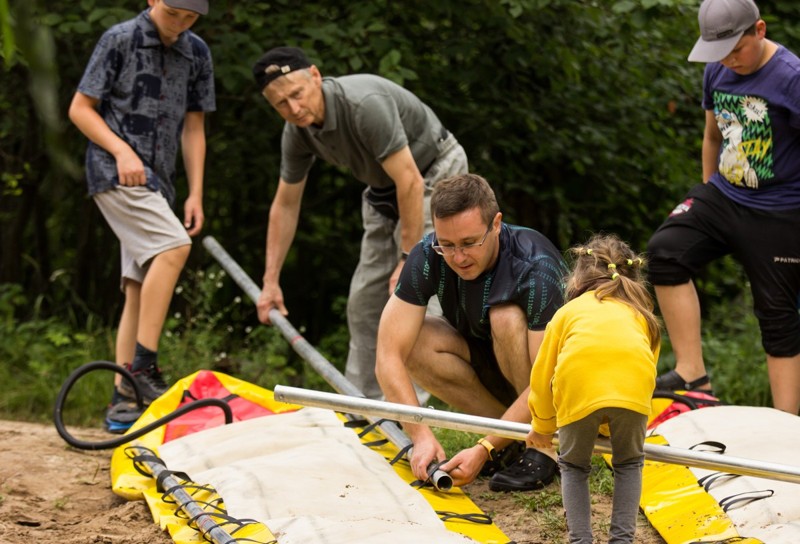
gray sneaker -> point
(150, 383)
(121, 416)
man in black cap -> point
(389, 140)
(748, 202)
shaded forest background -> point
(584, 115)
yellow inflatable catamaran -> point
(282, 474)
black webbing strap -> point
(746, 497)
(479, 518)
(707, 481)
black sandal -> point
(672, 381)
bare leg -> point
(439, 362)
(510, 342)
(156, 294)
(784, 381)
(680, 308)
(128, 324)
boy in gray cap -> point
(143, 94)
(748, 204)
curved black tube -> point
(116, 442)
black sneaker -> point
(150, 383)
(533, 470)
(507, 457)
(121, 416)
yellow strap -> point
(489, 447)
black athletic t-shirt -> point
(529, 272)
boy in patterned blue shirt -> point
(143, 94)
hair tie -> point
(630, 262)
(614, 276)
(641, 262)
(612, 266)
(589, 251)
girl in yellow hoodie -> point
(597, 366)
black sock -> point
(143, 358)
(118, 397)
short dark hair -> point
(463, 192)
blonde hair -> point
(609, 266)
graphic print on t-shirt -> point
(746, 155)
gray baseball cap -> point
(722, 23)
(198, 6)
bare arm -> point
(193, 146)
(465, 466)
(283, 217)
(400, 166)
(397, 333)
(712, 140)
(83, 113)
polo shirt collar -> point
(330, 106)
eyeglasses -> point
(450, 250)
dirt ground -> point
(52, 493)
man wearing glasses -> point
(498, 285)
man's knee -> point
(507, 320)
(436, 338)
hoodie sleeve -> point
(540, 399)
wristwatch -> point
(490, 449)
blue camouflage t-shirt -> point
(145, 89)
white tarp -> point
(308, 479)
(761, 434)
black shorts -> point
(706, 226)
(484, 363)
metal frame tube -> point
(440, 479)
(205, 522)
(518, 431)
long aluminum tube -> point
(204, 520)
(518, 431)
(441, 480)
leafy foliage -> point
(584, 115)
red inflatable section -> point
(206, 385)
(695, 400)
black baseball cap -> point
(278, 62)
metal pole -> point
(209, 528)
(518, 431)
(441, 480)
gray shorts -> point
(145, 225)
